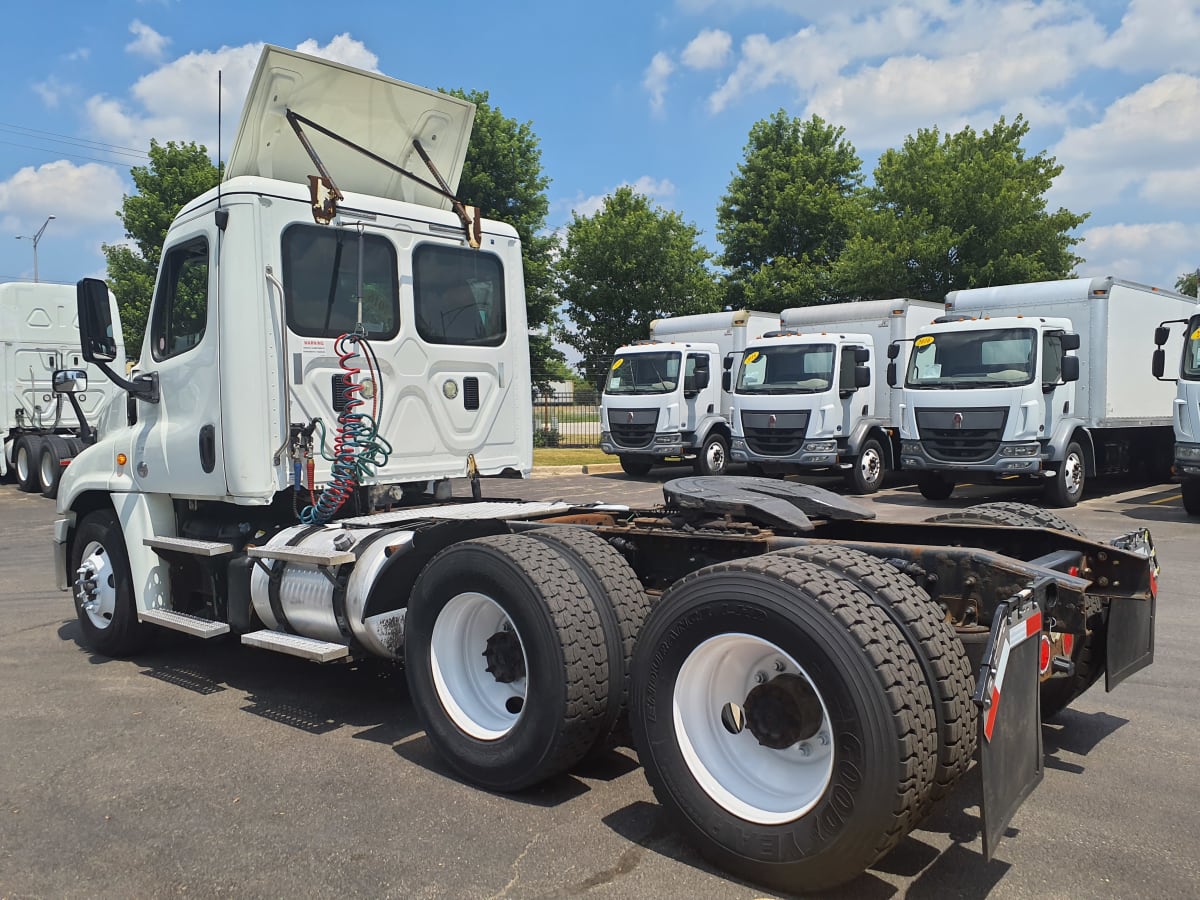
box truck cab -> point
(666, 398)
(1033, 382)
(1187, 406)
(813, 396)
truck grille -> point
(774, 433)
(965, 436)
(632, 428)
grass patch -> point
(553, 456)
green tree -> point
(1187, 283)
(787, 213)
(967, 210)
(177, 173)
(625, 266)
(503, 177)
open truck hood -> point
(374, 111)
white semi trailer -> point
(813, 396)
(1034, 382)
(43, 429)
(663, 398)
(1187, 405)
(324, 352)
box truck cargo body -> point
(1039, 381)
(814, 396)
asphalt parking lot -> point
(201, 770)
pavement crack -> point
(515, 869)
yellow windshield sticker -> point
(617, 363)
(1196, 335)
(751, 357)
(923, 341)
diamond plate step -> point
(187, 545)
(295, 645)
(188, 624)
(301, 555)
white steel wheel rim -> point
(715, 457)
(46, 470)
(101, 606)
(870, 464)
(23, 463)
(753, 782)
(1073, 474)
(478, 704)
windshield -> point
(803, 369)
(973, 359)
(643, 373)
(1191, 351)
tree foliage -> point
(788, 213)
(625, 266)
(177, 173)
(503, 176)
(967, 210)
(1188, 282)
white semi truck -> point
(1187, 405)
(663, 398)
(43, 429)
(324, 352)
(813, 397)
(1035, 382)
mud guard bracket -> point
(1131, 619)
(1010, 715)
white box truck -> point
(665, 398)
(1039, 382)
(42, 428)
(1187, 405)
(813, 396)
(318, 346)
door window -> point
(181, 304)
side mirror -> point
(70, 381)
(1070, 368)
(1069, 340)
(891, 371)
(701, 377)
(893, 350)
(726, 381)
(1161, 333)
(1158, 362)
(689, 386)
(862, 355)
(862, 377)
(727, 362)
(96, 337)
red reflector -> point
(1044, 658)
(1073, 571)
(1068, 643)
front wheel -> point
(103, 587)
(635, 465)
(1065, 489)
(867, 472)
(783, 721)
(934, 485)
(1191, 496)
(714, 456)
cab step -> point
(189, 546)
(301, 555)
(295, 645)
(188, 624)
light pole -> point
(37, 237)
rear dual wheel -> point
(25, 462)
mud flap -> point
(1010, 715)
(1131, 619)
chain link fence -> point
(566, 417)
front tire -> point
(103, 588)
(1065, 489)
(636, 466)
(934, 485)
(739, 674)
(714, 456)
(506, 661)
(867, 473)
(1191, 496)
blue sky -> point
(659, 95)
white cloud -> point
(344, 49)
(146, 41)
(655, 80)
(79, 55)
(51, 91)
(1154, 253)
(1152, 31)
(659, 189)
(77, 196)
(707, 50)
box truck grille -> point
(632, 428)
(774, 433)
(965, 436)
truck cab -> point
(661, 400)
(1187, 407)
(796, 398)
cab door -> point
(856, 402)
(177, 442)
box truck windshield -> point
(1191, 352)
(643, 373)
(973, 359)
(787, 370)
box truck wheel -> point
(622, 604)
(507, 661)
(941, 654)
(865, 475)
(25, 462)
(54, 450)
(934, 485)
(1066, 487)
(103, 587)
(1191, 496)
(635, 465)
(713, 458)
(783, 721)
